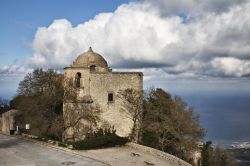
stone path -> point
(19, 152)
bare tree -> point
(132, 105)
(81, 115)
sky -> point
(183, 46)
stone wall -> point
(113, 112)
(95, 86)
(8, 121)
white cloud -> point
(231, 66)
(14, 69)
(215, 42)
(10, 76)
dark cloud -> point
(193, 7)
(219, 6)
(140, 64)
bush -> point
(62, 144)
(100, 139)
(41, 139)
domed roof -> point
(89, 58)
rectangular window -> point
(110, 97)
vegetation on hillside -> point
(40, 99)
(170, 125)
(216, 156)
(242, 155)
(100, 139)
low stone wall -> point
(159, 153)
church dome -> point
(90, 58)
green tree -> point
(40, 99)
(170, 125)
(216, 157)
(207, 154)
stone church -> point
(92, 99)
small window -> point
(110, 97)
(78, 80)
(92, 68)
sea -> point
(224, 114)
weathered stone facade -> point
(92, 87)
(8, 121)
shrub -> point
(62, 144)
(100, 139)
(41, 139)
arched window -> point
(78, 80)
(92, 68)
